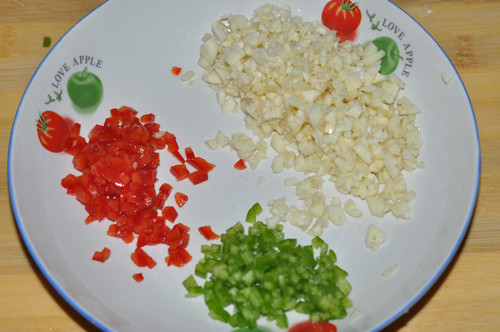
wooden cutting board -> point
(466, 298)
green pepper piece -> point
(252, 214)
(46, 41)
(218, 313)
(192, 287)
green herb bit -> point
(252, 214)
(192, 287)
(46, 41)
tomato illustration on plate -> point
(308, 326)
(343, 16)
(53, 130)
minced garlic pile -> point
(321, 104)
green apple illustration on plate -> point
(392, 56)
(85, 90)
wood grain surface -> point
(466, 298)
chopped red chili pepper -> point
(170, 213)
(166, 188)
(147, 118)
(101, 256)
(159, 200)
(176, 70)
(178, 236)
(240, 165)
(178, 257)
(208, 233)
(198, 177)
(201, 164)
(173, 146)
(189, 153)
(118, 166)
(180, 172)
(180, 199)
(138, 277)
(168, 137)
(177, 155)
(142, 259)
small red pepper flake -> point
(240, 165)
(176, 70)
(166, 188)
(101, 256)
(169, 137)
(170, 213)
(147, 118)
(178, 257)
(178, 236)
(173, 146)
(198, 177)
(189, 153)
(178, 156)
(201, 164)
(208, 233)
(180, 172)
(142, 259)
(180, 199)
(138, 277)
(159, 200)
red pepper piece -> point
(198, 177)
(138, 277)
(189, 153)
(101, 256)
(201, 164)
(166, 188)
(240, 165)
(147, 118)
(180, 172)
(159, 200)
(173, 146)
(178, 236)
(180, 199)
(208, 233)
(179, 157)
(178, 256)
(142, 259)
(168, 137)
(170, 213)
(176, 70)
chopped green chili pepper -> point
(252, 214)
(262, 273)
(46, 41)
(192, 287)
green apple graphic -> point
(85, 90)
(391, 59)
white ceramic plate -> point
(131, 46)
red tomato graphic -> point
(343, 16)
(53, 130)
(307, 326)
